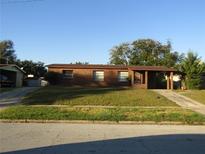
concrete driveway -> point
(15, 96)
(183, 101)
(25, 138)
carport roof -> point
(152, 68)
(7, 66)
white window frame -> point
(68, 76)
(98, 75)
(122, 77)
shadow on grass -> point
(52, 94)
(159, 144)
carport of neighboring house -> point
(13, 73)
(152, 77)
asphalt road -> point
(101, 139)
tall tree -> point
(192, 67)
(7, 52)
(119, 55)
(7, 55)
(145, 52)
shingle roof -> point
(100, 66)
(95, 66)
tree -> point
(36, 68)
(120, 54)
(192, 67)
(7, 55)
(7, 52)
(145, 52)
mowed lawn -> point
(177, 114)
(148, 106)
(198, 95)
(56, 95)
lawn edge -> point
(101, 122)
(105, 106)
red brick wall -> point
(85, 77)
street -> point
(101, 138)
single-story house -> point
(147, 77)
(11, 75)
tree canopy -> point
(193, 67)
(145, 52)
(30, 67)
(7, 55)
(7, 52)
(120, 54)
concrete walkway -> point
(33, 138)
(14, 96)
(182, 101)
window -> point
(123, 76)
(98, 75)
(68, 74)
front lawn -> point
(108, 114)
(198, 95)
(148, 106)
(6, 89)
(56, 95)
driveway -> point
(15, 96)
(36, 138)
(182, 101)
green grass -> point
(161, 108)
(198, 95)
(110, 114)
(6, 89)
(96, 96)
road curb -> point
(101, 122)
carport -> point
(11, 75)
(152, 77)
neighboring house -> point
(11, 75)
(146, 77)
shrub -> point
(53, 77)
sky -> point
(65, 31)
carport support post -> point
(141, 78)
(146, 79)
(168, 80)
(172, 85)
(132, 78)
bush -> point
(53, 78)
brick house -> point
(115, 75)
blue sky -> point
(64, 31)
